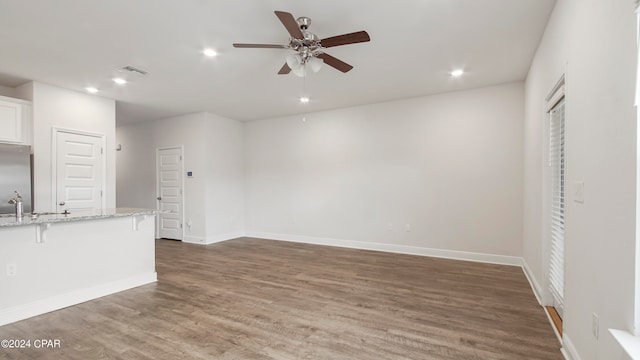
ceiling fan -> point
(309, 50)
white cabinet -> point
(15, 121)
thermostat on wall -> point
(189, 173)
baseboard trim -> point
(568, 350)
(193, 239)
(392, 248)
(535, 286)
(43, 306)
(213, 239)
(224, 237)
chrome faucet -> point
(17, 201)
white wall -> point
(449, 165)
(212, 152)
(137, 165)
(24, 91)
(8, 91)
(595, 41)
(65, 109)
(225, 174)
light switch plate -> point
(578, 191)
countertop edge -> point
(80, 216)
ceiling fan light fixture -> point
(457, 73)
(294, 61)
(315, 64)
(308, 46)
(304, 100)
(301, 71)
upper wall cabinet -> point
(15, 121)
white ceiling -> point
(414, 44)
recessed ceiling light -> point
(456, 73)
(119, 81)
(304, 100)
(91, 90)
(210, 52)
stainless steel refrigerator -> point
(15, 174)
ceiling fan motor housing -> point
(304, 22)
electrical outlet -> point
(595, 325)
(12, 269)
(407, 227)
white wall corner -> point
(568, 350)
(223, 237)
(208, 240)
(193, 240)
(535, 285)
(392, 248)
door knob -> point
(159, 198)
(62, 203)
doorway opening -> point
(555, 198)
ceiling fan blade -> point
(284, 70)
(352, 38)
(336, 63)
(290, 24)
(260, 46)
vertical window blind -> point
(557, 201)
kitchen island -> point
(57, 260)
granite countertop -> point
(7, 220)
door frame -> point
(557, 94)
(54, 162)
(181, 147)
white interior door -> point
(79, 172)
(169, 192)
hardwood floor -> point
(260, 299)
(555, 317)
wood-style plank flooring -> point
(261, 299)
